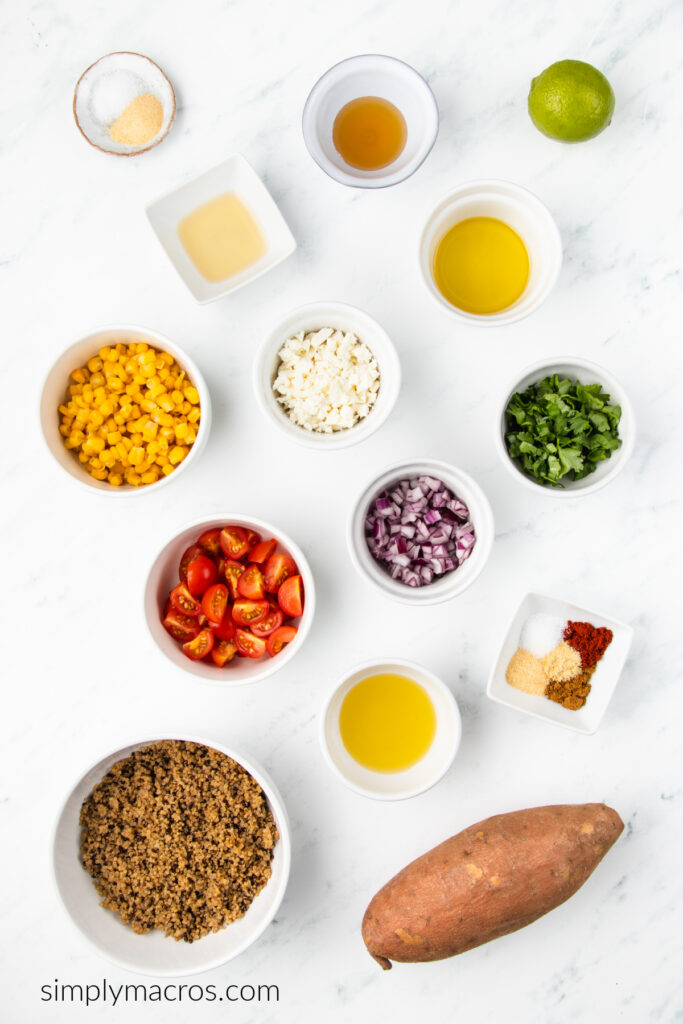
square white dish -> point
(604, 680)
(234, 175)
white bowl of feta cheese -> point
(327, 375)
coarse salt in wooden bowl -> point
(108, 87)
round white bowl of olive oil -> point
(390, 729)
(490, 253)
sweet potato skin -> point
(489, 880)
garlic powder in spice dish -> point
(327, 380)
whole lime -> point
(571, 101)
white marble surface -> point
(80, 673)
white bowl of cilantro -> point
(566, 426)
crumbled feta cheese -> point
(327, 380)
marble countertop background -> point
(80, 673)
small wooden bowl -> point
(138, 74)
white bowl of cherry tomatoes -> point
(230, 599)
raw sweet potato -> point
(487, 881)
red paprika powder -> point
(590, 641)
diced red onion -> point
(419, 531)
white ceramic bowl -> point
(58, 379)
(452, 583)
(370, 75)
(421, 776)
(526, 214)
(233, 175)
(309, 318)
(604, 679)
(154, 953)
(127, 75)
(163, 576)
(587, 373)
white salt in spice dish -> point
(124, 104)
(541, 633)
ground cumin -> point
(572, 693)
(178, 837)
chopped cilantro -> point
(559, 428)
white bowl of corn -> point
(124, 409)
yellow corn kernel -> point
(177, 397)
(167, 358)
(95, 463)
(165, 402)
(194, 415)
(96, 418)
(99, 474)
(141, 346)
(120, 349)
(147, 371)
(93, 445)
(113, 437)
(163, 444)
(80, 375)
(75, 389)
(167, 470)
(150, 476)
(132, 477)
(95, 364)
(127, 444)
(104, 352)
(156, 389)
(162, 460)
(149, 430)
(167, 433)
(148, 405)
(120, 419)
(114, 382)
(64, 430)
(191, 394)
(177, 454)
(108, 457)
(82, 457)
(136, 455)
(115, 479)
(181, 431)
(185, 408)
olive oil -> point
(369, 133)
(481, 265)
(387, 722)
(221, 237)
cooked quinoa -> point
(177, 837)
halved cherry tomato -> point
(277, 640)
(220, 565)
(214, 603)
(183, 601)
(290, 596)
(262, 551)
(232, 571)
(226, 628)
(249, 645)
(250, 583)
(188, 556)
(200, 646)
(234, 541)
(181, 627)
(245, 613)
(253, 537)
(278, 568)
(271, 622)
(223, 651)
(201, 573)
(210, 541)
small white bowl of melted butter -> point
(221, 230)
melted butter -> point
(221, 237)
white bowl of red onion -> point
(422, 532)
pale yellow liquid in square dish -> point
(221, 237)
